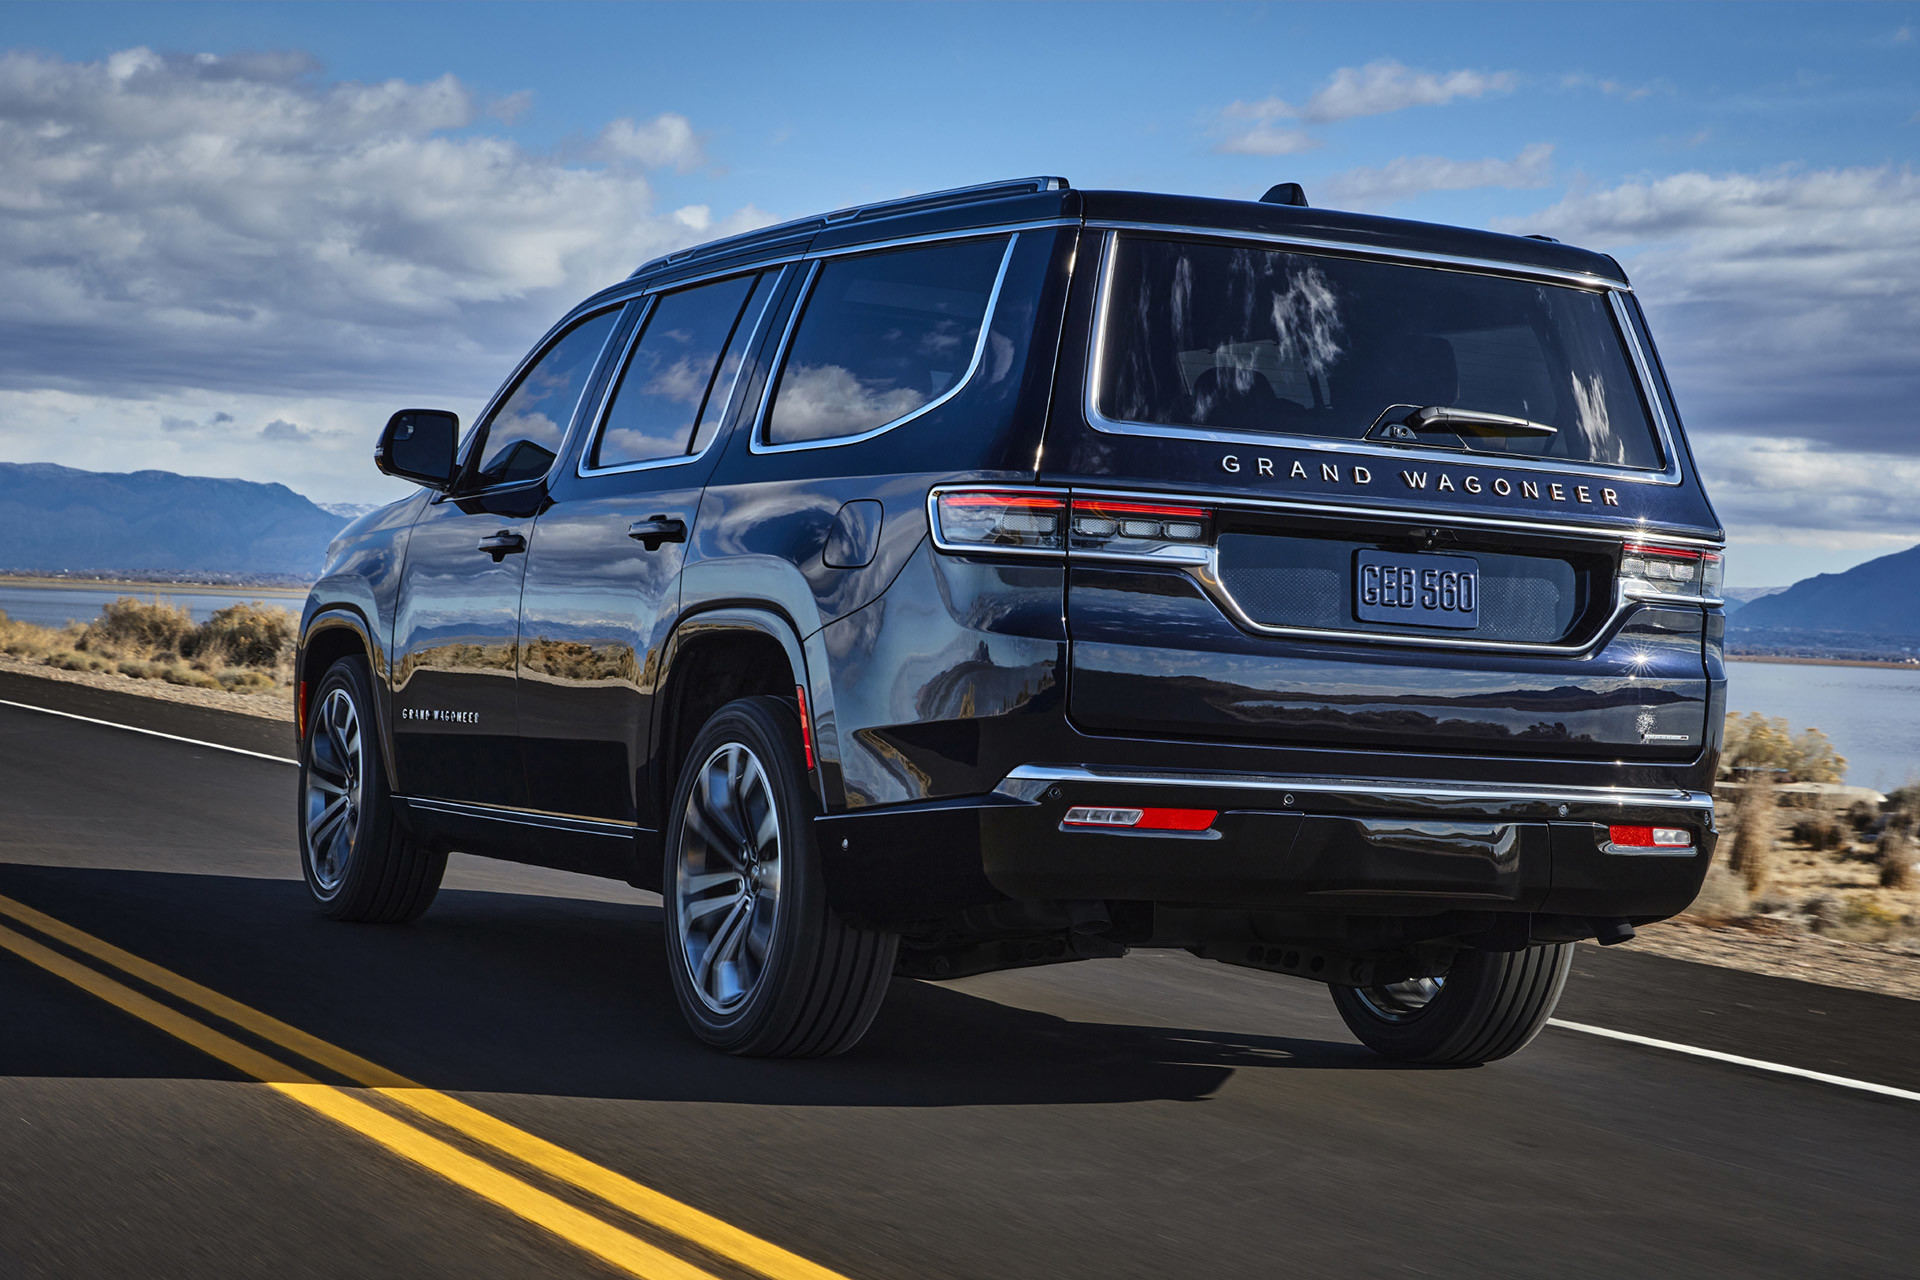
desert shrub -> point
(189, 678)
(134, 628)
(244, 635)
(25, 640)
(1824, 912)
(1861, 815)
(73, 661)
(140, 669)
(1757, 741)
(1820, 831)
(1897, 854)
(1752, 854)
(1722, 897)
(243, 680)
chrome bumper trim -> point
(1028, 781)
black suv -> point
(1019, 574)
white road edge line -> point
(1844, 1082)
(152, 733)
(1780, 1068)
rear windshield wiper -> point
(1438, 419)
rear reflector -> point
(1141, 819)
(1650, 837)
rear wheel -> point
(761, 966)
(358, 863)
(1488, 1005)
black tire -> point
(761, 974)
(358, 864)
(1489, 1005)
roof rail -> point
(857, 213)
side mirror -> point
(418, 445)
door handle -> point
(502, 544)
(654, 530)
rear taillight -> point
(1650, 837)
(1649, 570)
(1046, 522)
(1001, 520)
(1140, 530)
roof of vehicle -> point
(1043, 199)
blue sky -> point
(236, 232)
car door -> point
(456, 619)
(602, 586)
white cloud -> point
(1265, 140)
(179, 229)
(1384, 86)
(1375, 89)
(1414, 175)
(666, 141)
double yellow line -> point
(604, 1240)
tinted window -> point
(670, 376)
(882, 336)
(520, 440)
(1258, 340)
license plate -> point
(1417, 590)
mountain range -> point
(64, 520)
(1871, 609)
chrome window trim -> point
(652, 300)
(757, 442)
(934, 237)
(540, 348)
(1028, 781)
(1096, 358)
(523, 817)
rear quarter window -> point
(882, 337)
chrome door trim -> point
(756, 441)
(1096, 356)
(523, 817)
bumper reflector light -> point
(1141, 819)
(1650, 837)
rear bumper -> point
(1358, 846)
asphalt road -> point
(1157, 1116)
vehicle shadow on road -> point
(505, 993)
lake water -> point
(1871, 713)
(56, 606)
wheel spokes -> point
(727, 883)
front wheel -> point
(761, 965)
(358, 862)
(1488, 1005)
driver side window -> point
(520, 441)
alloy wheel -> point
(336, 780)
(1401, 1001)
(726, 891)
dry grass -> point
(245, 648)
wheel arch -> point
(712, 658)
(332, 633)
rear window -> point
(1240, 339)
